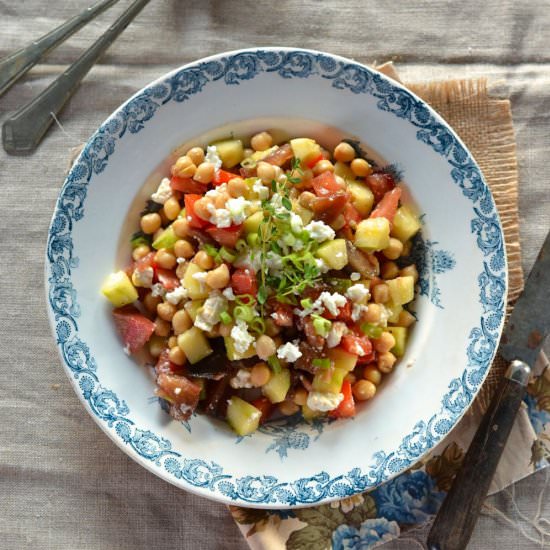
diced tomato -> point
(380, 183)
(311, 163)
(192, 218)
(187, 185)
(280, 155)
(180, 390)
(358, 345)
(351, 214)
(168, 279)
(328, 208)
(346, 409)
(243, 281)
(264, 405)
(344, 313)
(282, 315)
(143, 263)
(387, 207)
(164, 365)
(222, 176)
(226, 236)
(325, 184)
(134, 328)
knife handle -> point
(457, 517)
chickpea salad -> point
(268, 280)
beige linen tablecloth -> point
(63, 483)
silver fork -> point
(23, 131)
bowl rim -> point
(273, 497)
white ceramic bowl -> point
(461, 293)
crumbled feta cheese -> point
(201, 278)
(296, 223)
(318, 401)
(242, 340)
(320, 231)
(251, 259)
(322, 265)
(209, 314)
(228, 293)
(177, 391)
(163, 193)
(213, 157)
(332, 302)
(143, 277)
(298, 245)
(289, 352)
(260, 189)
(355, 276)
(335, 334)
(273, 262)
(218, 191)
(220, 217)
(158, 290)
(180, 260)
(357, 311)
(385, 314)
(358, 293)
(241, 380)
(176, 295)
(238, 209)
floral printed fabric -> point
(371, 519)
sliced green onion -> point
(257, 325)
(227, 255)
(139, 238)
(210, 250)
(248, 163)
(340, 285)
(225, 318)
(306, 303)
(275, 364)
(322, 363)
(321, 326)
(244, 299)
(241, 245)
(245, 313)
(372, 331)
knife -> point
(521, 342)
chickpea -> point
(150, 223)
(394, 249)
(165, 259)
(166, 311)
(183, 249)
(219, 277)
(364, 390)
(237, 187)
(184, 167)
(372, 374)
(247, 152)
(203, 260)
(406, 319)
(265, 346)
(271, 329)
(151, 302)
(300, 397)
(205, 172)
(323, 166)
(261, 141)
(196, 154)
(172, 341)
(162, 327)
(389, 270)
(172, 208)
(344, 152)
(181, 269)
(225, 330)
(260, 375)
(181, 321)
(140, 252)
(176, 356)
(360, 167)
(220, 200)
(156, 346)
(385, 342)
(202, 208)
(351, 378)
(386, 361)
(373, 313)
(410, 270)
(288, 408)
(306, 199)
(381, 293)
(158, 233)
(265, 171)
(181, 227)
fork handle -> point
(23, 131)
(13, 67)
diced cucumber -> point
(277, 387)
(361, 197)
(305, 149)
(167, 239)
(243, 417)
(344, 171)
(259, 155)
(405, 224)
(196, 289)
(233, 354)
(194, 345)
(304, 213)
(192, 307)
(329, 380)
(119, 290)
(252, 223)
(342, 359)
(401, 289)
(310, 414)
(372, 234)
(393, 311)
(334, 253)
(400, 334)
(230, 151)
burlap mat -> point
(484, 123)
